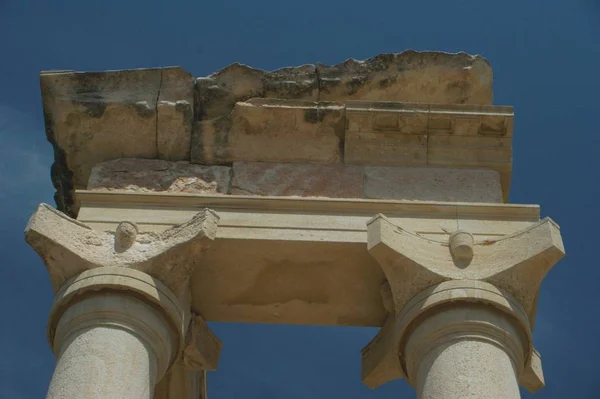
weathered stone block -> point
(417, 77)
(269, 130)
(92, 117)
(305, 180)
(433, 184)
(145, 175)
(95, 116)
(218, 93)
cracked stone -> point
(148, 175)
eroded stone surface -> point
(148, 175)
(418, 77)
(433, 184)
(266, 130)
(218, 93)
(305, 180)
(411, 76)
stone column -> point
(447, 357)
(465, 337)
(461, 312)
(121, 317)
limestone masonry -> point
(368, 193)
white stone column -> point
(121, 317)
(116, 357)
(467, 350)
(114, 331)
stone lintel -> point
(297, 241)
(470, 136)
(299, 179)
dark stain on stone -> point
(289, 89)
(311, 115)
(459, 89)
(340, 131)
(272, 286)
(94, 108)
(326, 85)
(206, 95)
(60, 174)
(380, 62)
(387, 105)
(355, 84)
(197, 144)
(387, 82)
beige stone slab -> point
(149, 175)
(469, 151)
(266, 130)
(385, 149)
(433, 184)
(305, 180)
(288, 282)
(500, 212)
(420, 77)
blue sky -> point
(546, 60)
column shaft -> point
(465, 351)
(110, 345)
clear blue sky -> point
(546, 60)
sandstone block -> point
(304, 180)
(145, 175)
(432, 184)
(218, 93)
(92, 117)
(411, 76)
(270, 130)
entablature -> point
(296, 260)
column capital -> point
(131, 267)
(129, 282)
(423, 274)
(69, 247)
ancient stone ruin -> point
(368, 193)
